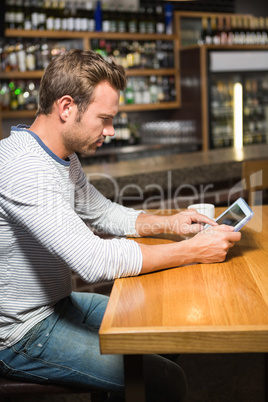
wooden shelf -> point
(13, 75)
(17, 114)
(21, 33)
(225, 47)
(149, 106)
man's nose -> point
(109, 131)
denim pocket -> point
(25, 342)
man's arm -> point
(208, 246)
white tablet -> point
(237, 215)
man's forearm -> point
(149, 224)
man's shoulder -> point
(19, 149)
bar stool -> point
(13, 388)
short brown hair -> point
(76, 73)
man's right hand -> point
(213, 243)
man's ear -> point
(65, 106)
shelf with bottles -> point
(150, 66)
(141, 93)
(87, 16)
(216, 29)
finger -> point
(203, 218)
(232, 243)
(225, 228)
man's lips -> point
(100, 142)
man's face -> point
(86, 132)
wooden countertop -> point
(199, 308)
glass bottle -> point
(132, 21)
(30, 57)
(21, 55)
(129, 92)
(4, 96)
(31, 95)
(90, 17)
(13, 100)
(160, 27)
(19, 15)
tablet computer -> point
(237, 215)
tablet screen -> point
(232, 217)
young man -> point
(47, 211)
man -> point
(47, 211)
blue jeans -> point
(64, 349)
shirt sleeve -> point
(102, 214)
(32, 199)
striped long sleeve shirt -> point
(48, 209)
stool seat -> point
(9, 388)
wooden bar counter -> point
(200, 308)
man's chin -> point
(91, 152)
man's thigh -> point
(65, 347)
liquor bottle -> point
(106, 19)
(222, 31)
(258, 32)
(45, 54)
(203, 34)
(169, 18)
(41, 15)
(4, 96)
(129, 92)
(12, 57)
(160, 92)
(150, 21)
(138, 94)
(98, 16)
(242, 32)
(20, 88)
(146, 92)
(34, 14)
(31, 95)
(252, 31)
(216, 30)
(90, 17)
(142, 20)
(205, 38)
(153, 89)
(10, 17)
(229, 32)
(21, 56)
(263, 32)
(237, 30)
(19, 15)
(160, 20)
(121, 20)
(70, 16)
(56, 11)
(247, 31)
(13, 100)
(231, 35)
(132, 21)
(49, 15)
(30, 57)
(125, 131)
